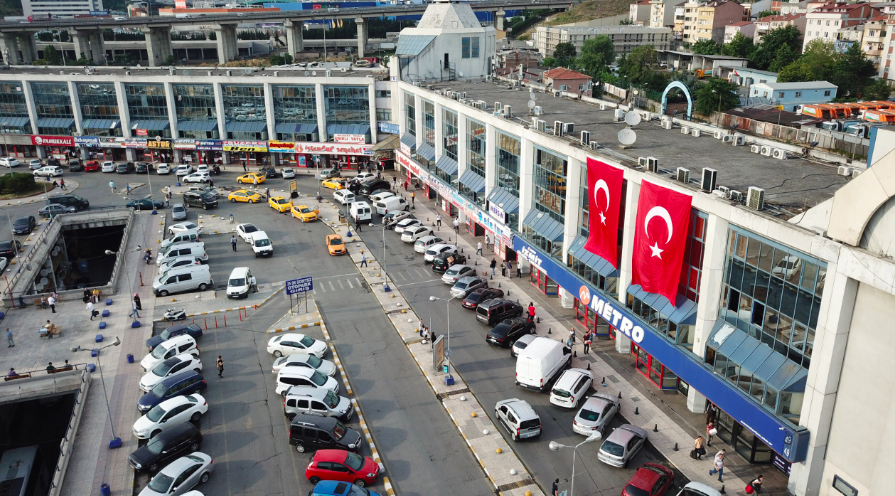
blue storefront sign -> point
(209, 145)
(791, 444)
(99, 12)
(388, 127)
(86, 141)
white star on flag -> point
(602, 218)
(657, 252)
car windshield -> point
(179, 209)
(156, 413)
(249, 228)
(159, 352)
(613, 449)
(354, 461)
(160, 389)
(452, 272)
(207, 196)
(162, 369)
(305, 210)
(237, 282)
(336, 241)
(262, 242)
(160, 483)
(314, 361)
(155, 445)
(281, 201)
(339, 430)
(461, 285)
(318, 378)
(332, 400)
(307, 341)
(589, 415)
(632, 490)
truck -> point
(701, 73)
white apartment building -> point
(825, 22)
(60, 8)
(625, 38)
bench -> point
(17, 376)
(60, 369)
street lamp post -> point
(554, 446)
(447, 302)
(124, 265)
(116, 441)
(385, 287)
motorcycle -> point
(216, 170)
(172, 314)
(148, 256)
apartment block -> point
(625, 38)
(825, 22)
(706, 21)
(768, 23)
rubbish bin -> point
(105, 490)
(130, 358)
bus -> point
(16, 477)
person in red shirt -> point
(531, 311)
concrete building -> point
(706, 21)
(747, 28)
(792, 95)
(568, 80)
(624, 38)
(680, 19)
(846, 37)
(60, 8)
(769, 23)
(888, 10)
(745, 77)
(874, 39)
(639, 13)
(824, 22)
(689, 61)
(516, 57)
(661, 14)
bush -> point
(16, 182)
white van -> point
(185, 278)
(191, 236)
(301, 376)
(239, 283)
(196, 249)
(261, 244)
(344, 196)
(391, 204)
(540, 362)
(361, 211)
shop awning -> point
(389, 143)
(508, 202)
(409, 140)
(101, 123)
(427, 152)
(546, 226)
(246, 126)
(154, 124)
(683, 313)
(291, 127)
(413, 44)
(14, 121)
(361, 129)
(757, 358)
(197, 125)
(471, 180)
(60, 122)
(447, 165)
(595, 262)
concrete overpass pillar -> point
(158, 44)
(226, 38)
(98, 47)
(29, 50)
(294, 41)
(90, 43)
(361, 36)
(10, 49)
(498, 19)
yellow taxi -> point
(305, 213)
(279, 203)
(335, 245)
(334, 183)
(242, 195)
(251, 178)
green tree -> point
(794, 72)
(765, 13)
(706, 47)
(637, 66)
(740, 46)
(878, 90)
(852, 73)
(767, 54)
(548, 62)
(785, 55)
(716, 94)
(597, 54)
(52, 56)
(564, 53)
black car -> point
(74, 165)
(370, 187)
(176, 385)
(175, 330)
(165, 446)
(495, 311)
(196, 199)
(69, 201)
(473, 299)
(125, 168)
(443, 262)
(24, 225)
(507, 332)
(142, 167)
(53, 161)
(10, 248)
(269, 172)
(144, 204)
(311, 433)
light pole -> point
(447, 303)
(124, 265)
(116, 441)
(554, 446)
(385, 287)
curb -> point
(234, 309)
(318, 323)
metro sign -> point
(616, 318)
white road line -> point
(331, 286)
(341, 286)
(421, 274)
(335, 276)
(401, 275)
(418, 282)
(349, 284)
(357, 280)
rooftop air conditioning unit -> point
(594, 145)
(619, 115)
(602, 106)
(855, 173)
(666, 124)
(755, 198)
(719, 134)
(482, 104)
(534, 122)
(418, 84)
(557, 94)
(497, 106)
(430, 87)
(709, 177)
(843, 170)
(568, 127)
(509, 111)
(652, 165)
(557, 128)
(542, 125)
(585, 137)
(766, 151)
(755, 148)
(780, 154)
(735, 195)
(683, 175)
(229, 73)
(727, 138)
(538, 110)
(685, 130)
(695, 132)
(721, 192)
(646, 116)
(642, 161)
(739, 139)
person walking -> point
(478, 248)
(244, 169)
(9, 341)
(493, 266)
(457, 225)
(710, 411)
(405, 185)
(438, 220)
(413, 199)
(62, 183)
(90, 309)
(572, 337)
(233, 242)
(254, 283)
(363, 260)
(112, 185)
(510, 268)
(588, 336)
(554, 491)
(127, 189)
(135, 311)
(137, 301)
(52, 302)
(719, 465)
(755, 485)
(503, 269)
(487, 240)
(519, 270)
(709, 432)
(698, 448)
(531, 311)
(395, 182)
(267, 193)
(220, 365)
(357, 223)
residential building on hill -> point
(706, 21)
(825, 22)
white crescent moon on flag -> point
(601, 185)
(661, 213)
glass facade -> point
(509, 151)
(384, 114)
(429, 123)
(294, 105)
(550, 171)
(449, 133)
(52, 101)
(12, 104)
(195, 106)
(99, 104)
(691, 268)
(410, 113)
(347, 105)
(246, 114)
(475, 146)
(147, 102)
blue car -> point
(337, 488)
(178, 385)
(175, 330)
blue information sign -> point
(299, 285)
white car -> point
(571, 387)
(698, 489)
(343, 196)
(196, 177)
(183, 227)
(787, 267)
(109, 166)
(48, 171)
(288, 173)
(294, 376)
(435, 251)
(185, 362)
(406, 224)
(424, 243)
(363, 176)
(9, 162)
(521, 344)
(180, 476)
(202, 168)
(162, 169)
(305, 361)
(35, 164)
(183, 170)
(179, 262)
(245, 231)
(287, 344)
(378, 197)
(412, 234)
(119, 18)
(169, 413)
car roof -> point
(527, 338)
(569, 376)
(176, 379)
(624, 433)
(521, 407)
(295, 371)
(179, 465)
(468, 279)
(322, 422)
(314, 393)
(176, 340)
(297, 358)
(459, 266)
(330, 487)
(698, 488)
(330, 455)
(598, 401)
(647, 475)
(175, 430)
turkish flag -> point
(604, 185)
(660, 239)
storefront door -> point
(653, 369)
(544, 283)
(742, 440)
(592, 321)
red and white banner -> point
(142, 132)
(180, 4)
(333, 149)
(40, 140)
(604, 185)
(660, 239)
(350, 139)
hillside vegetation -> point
(586, 11)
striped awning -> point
(14, 121)
(447, 165)
(471, 180)
(596, 262)
(197, 125)
(409, 140)
(682, 313)
(389, 143)
(361, 129)
(101, 123)
(546, 226)
(507, 201)
(154, 124)
(58, 122)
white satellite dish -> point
(307, 73)
(531, 104)
(627, 136)
(632, 118)
(314, 73)
(460, 73)
(532, 96)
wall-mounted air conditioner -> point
(755, 198)
(735, 195)
(642, 161)
(755, 149)
(568, 127)
(695, 132)
(594, 145)
(721, 192)
(709, 177)
(739, 139)
(585, 137)
(497, 106)
(766, 150)
(683, 175)
(780, 154)
(667, 124)
(557, 128)
(685, 130)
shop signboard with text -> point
(245, 146)
(91, 141)
(134, 143)
(405, 162)
(141, 132)
(209, 145)
(184, 144)
(281, 146)
(158, 144)
(333, 149)
(405, 149)
(350, 139)
(105, 142)
(40, 140)
(388, 127)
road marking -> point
(401, 275)
(349, 284)
(331, 286)
(418, 282)
(335, 276)
(359, 284)
(421, 274)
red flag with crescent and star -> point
(660, 239)
(604, 186)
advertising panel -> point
(209, 145)
(245, 146)
(333, 149)
(351, 139)
(281, 146)
(41, 140)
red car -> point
(344, 466)
(649, 480)
(91, 166)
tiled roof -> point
(563, 73)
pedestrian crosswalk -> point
(401, 275)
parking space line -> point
(401, 275)
(341, 286)
(349, 284)
(331, 286)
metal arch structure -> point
(683, 87)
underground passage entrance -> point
(78, 259)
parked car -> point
(69, 200)
(336, 245)
(391, 219)
(468, 284)
(297, 376)
(183, 170)
(521, 344)
(436, 251)
(518, 418)
(197, 177)
(304, 213)
(329, 173)
(698, 489)
(35, 164)
(163, 169)
(480, 295)
(178, 385)
(316, 402)
(179, 364)
(178, 211)
(55, 209)
(245, 231)
(288, 172)
(109, 166)
(308, 432)
(125, 168)
(650, 479)
(193, 330)
(10, 248)
(142, 167)
(184, 227)
(406, 224)
(415, 233)
(168, 445)
(507, 332)
(180, 476)
(344, 196)
(24, 225)
(251, 178)
(144, 204)
(203, 200)
(441, 263)
(496, 310)
(621, 445)
(245, 196)
(89, 166)
(571, 387)
(595, 414)
(305, 360)
(342, 466)
(74, 165)
(287, 344)
(48, 171)
(169, 413)
(179, 262)
(9, 162)
(269, 172)
(424, 243)
(338, 488)
(173, 346)
(456, 272)
(372, 187)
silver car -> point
(622, 445)
(468, 284)
(180, 476)
(595, 414)
(178, 211)
(518, 418)
(456, 272)
(307, 361)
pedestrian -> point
(438, 220)
(698, 448)
(487, 240)
(357, 223)
(86, 295)
(755, 486)
(137, 301)
(244, 169)
(457, 225)
(503, 269)
(127, 188)
(220, 364)
(571, 337)
(112, 185)
(719, 465)
(43, 302)
(51, 368)
(135, 311)
(412, 199)
(9, 340)
(588, 339)
(254, 181)
(531, 311)
(493, 266)
(62, 183)
(478, 248)
(363, 260)
(267, 193)
(405, 185)
(710, 431)
(423, 329)
(519, 270)
(395, 182)
(90, 309)
(555, 490)
(12, 372)
(710, 411)
(211, 182)
(233, 242)
(254, 283)
(510, 268)
(52, 302)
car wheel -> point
(513, 436)
(359, 483)
(163, 293)
(300, 448)
(204, 478)
(251, 200)
(314, 480)
(204, 207)
(277, 354)
(197, 371)
(197, 415)
(194, 446)
(153, 467)
(154, 433)
(203, 286)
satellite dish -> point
(627, 136)
(307, 73)
(460, 73)
(532, 96)
(632, 118)
(531, 104)
(314, 73)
